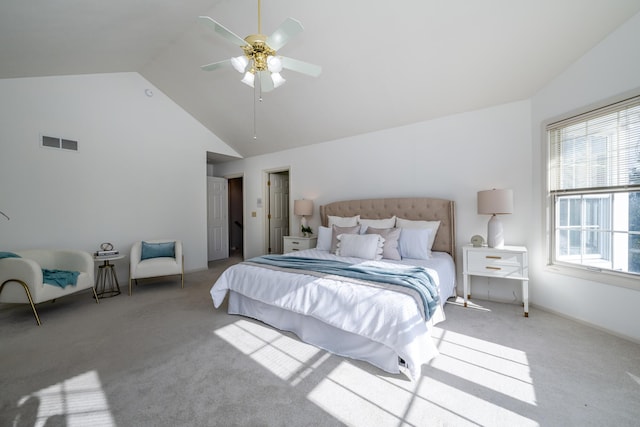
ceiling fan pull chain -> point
(255, 133)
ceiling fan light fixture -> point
(240, 63)
(274, 64)
(248, 78)
(277, 79)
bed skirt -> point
(324, 336)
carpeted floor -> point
(166, 357)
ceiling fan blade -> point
(216, 65)
(223, 31)
(266, 84)
(289, 28)
(301, 66)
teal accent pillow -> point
(9, 255)
(158, 250)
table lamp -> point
(495, 202)
(303, 208)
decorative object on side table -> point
(495, 202)
(106, 250)
(303, 208)
(306, 231)
(477, 241)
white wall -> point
(611, 68)
(139, 173)
(453, 158)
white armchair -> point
(21, 279)
(154, 258)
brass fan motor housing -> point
(258, 51)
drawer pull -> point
(493, 268)
(494, 257)
(295, 243)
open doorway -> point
(236, 224)
(277, 210)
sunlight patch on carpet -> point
(356, 397)
(441, 399)
(634, 377)
(502, 369)
(77, 401)
(288, 358)
(472, 381)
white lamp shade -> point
(274, 64)
(495, 202)
(240, 63)
(303, 207)
(277, 79)
(248, 78)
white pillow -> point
(366, 246)
(343, 221)
(336, 231)
(377, 223)
(414, 243)
(324, 239)
(430, 225)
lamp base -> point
(495, 234)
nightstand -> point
(298, 243)
(508, 262)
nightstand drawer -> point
(293, 244)
(495, 263)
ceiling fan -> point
(260, 54)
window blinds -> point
(596, 151)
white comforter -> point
(384, 316)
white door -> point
(278, 210)
(218, 222)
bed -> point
(355, 318)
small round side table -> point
(107, 282)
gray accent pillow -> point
(391, 236)
(336, 231)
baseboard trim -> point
(584, 322)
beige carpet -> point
(166, 357)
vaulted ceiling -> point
(384, 64)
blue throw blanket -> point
(416, 278)
(8, 255)
(60, 278)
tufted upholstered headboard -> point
(415, 208)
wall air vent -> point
(67, 144)
(61, 143)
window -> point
(594, 189)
